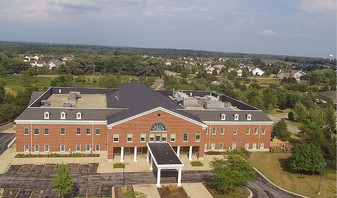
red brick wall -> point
(240, 139)
(142, 125)
(54, 139)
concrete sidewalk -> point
(105, 166)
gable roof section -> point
(139, 100)
(111, 124)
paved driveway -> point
(5, 139)
(27, 181)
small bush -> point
(197, 163)
(172, 189)
(118, 165)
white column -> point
(151, 161)
(135, 154)
(147, 154)
(179, 177)
(158, 177)
(122, 154)
(190, 154)
(178, 151)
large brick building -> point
(121, 121)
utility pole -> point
(322, 166)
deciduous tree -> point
(230, 172)
(63, 182)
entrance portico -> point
(164, 157)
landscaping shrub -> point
(118, 165)
(197, 163)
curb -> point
(277, 185)
(250, 193)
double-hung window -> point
(185, 137)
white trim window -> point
(247, 131)
(46, 131)
(235, 131)
(97, 147)
(246, 146)
(78, 115)
(249, 117)
(78, 147)
(62, 115)
(223, 116)
(62, 148)
(221, 146)
(263, 131)
(236, 116)
(98, 131)
(151, 138)
(88, 131)
(88, 147)
(36, 131)
(233, 146)
(185, 137)
(173, 137)
(36, 148)
(78, 131)
(256, 131)
(63, 131)
(115, 138)
(164, 137)
(26, 148)
(143, 137)
(46, 115)
(129, 137)
(254, 146)
(26, 131)
(262, 145)
(213, 131)
(46, 148)
(197, 137)
(222, 131)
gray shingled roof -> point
(55, 113)
(139, 98)
(215, 115)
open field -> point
(264, 80)
(273, 166)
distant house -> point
(54, 63)
(238, 71)
(217, 68)
(38, 63)
(30, 58)
(258, 72)
(290, 74)
(329, 95)
(67, 58)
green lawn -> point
(273, 166)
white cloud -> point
(318, 5)
(268, 32)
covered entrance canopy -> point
(164, 157)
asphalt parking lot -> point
(5, 139)
(50, 169)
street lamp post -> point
(123, 176)
(322, 166)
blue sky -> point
(280, 27)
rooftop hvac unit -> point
(45, 103)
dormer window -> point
(223, 116)
(236, 117)
(78, 115)
(249, 117)
(63, 115)
(46, 115)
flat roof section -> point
(164, 154)
(84, 101)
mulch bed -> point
(165, 193)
